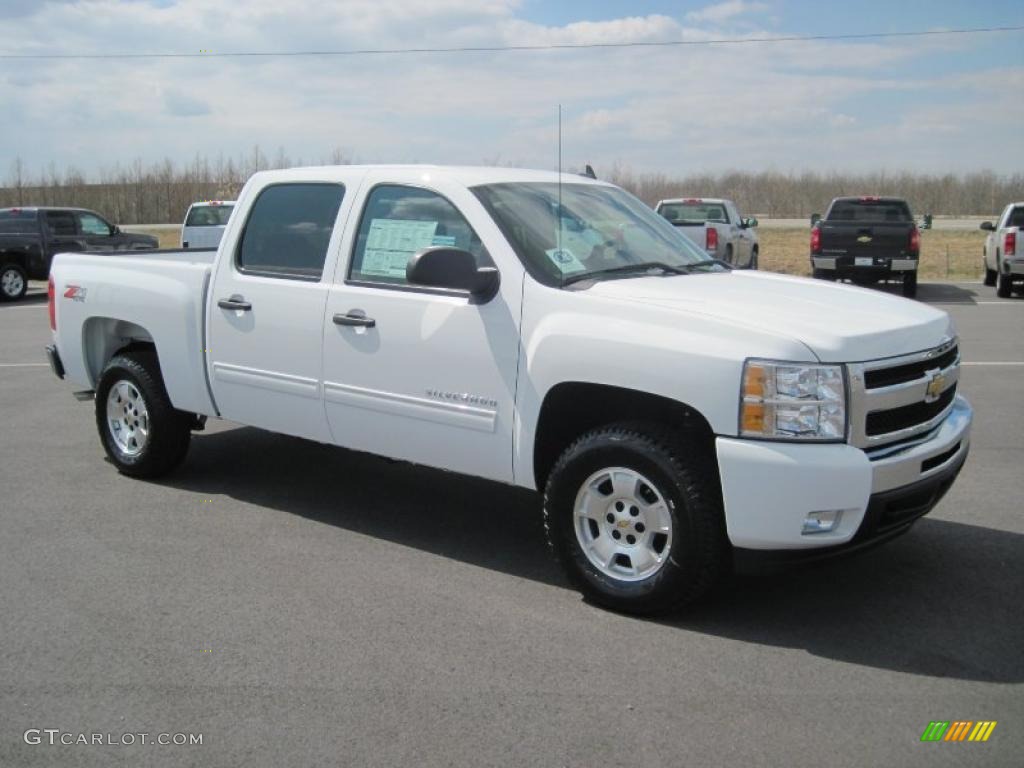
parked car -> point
(716, 226)
(866, 240)
(1003, 251)
(545, 332)
(204, 223)
(29, 238)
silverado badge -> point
(936, 386)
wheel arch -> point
(104, 337)
(571, 408)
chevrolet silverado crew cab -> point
(29, 238)
(541, 331)
(867, 239)
(204, 223)
(716, 226)
(1003, 252)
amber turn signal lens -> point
(753, 418)
(753, 381)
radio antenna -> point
(558, 235)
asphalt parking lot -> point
(302, 605)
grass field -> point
(945, 254)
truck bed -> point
(163, 292)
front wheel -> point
(910, 284)
(753, 259)
(634, 515)
(990, 274)
(142, 433)
(13, 282)
(1004, 284)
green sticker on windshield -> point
(565, 260)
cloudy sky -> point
(931, 104)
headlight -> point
(791, 401)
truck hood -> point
(839, 323)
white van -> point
(204, 223)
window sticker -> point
(448, 240)
(565, 260)
(391, 242)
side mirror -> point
(815, 218)
(988, 226)
(750, 223)
(115, 230)
(454, 268)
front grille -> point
(900, 374)
(895, 419)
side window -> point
(288, 230)
(399, 221)
(60, 222)
(93, 225)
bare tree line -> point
(160, 192)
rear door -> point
(266, 311)
(62, 233)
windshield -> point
(208, 215)
(693, 212)
(870, 210)
(597, 229)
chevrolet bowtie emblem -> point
(864, 239)
(936, 386)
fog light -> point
(822, 521)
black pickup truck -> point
(865, 240)
(29, 238)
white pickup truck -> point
(1003, 253)
(715, 224)
(551, 333)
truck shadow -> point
(942, 601)
(942, 293)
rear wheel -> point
(13, 282)
(823, 274)
(634, 515)
(142, 433)
(910, 284)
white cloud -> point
(730, 9)
(787, 104)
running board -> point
(85, 394)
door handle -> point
(235, 302)
(355, 317)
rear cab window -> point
(397, 222)
(61, 223)
(694, 212)
(289, 229)
(874, 210)
(208, 215)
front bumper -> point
(770, 488)
(848, 266)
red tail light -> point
(711, 243)
(51, 305)
(1010, 244)
(815, 240)
(915, 240)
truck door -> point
(97, 233)
(421, 374)
(61, 233)
(266, 307)
(739, 236)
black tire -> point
(753, 258)
(910, 284)
(1004, 283)
(823, 274)
(685, 478)
(168, 429)
(13, 282)
(728, 254)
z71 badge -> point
(75, 293)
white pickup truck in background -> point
(546, 331)
(1004, 250)
(204, 223)
(715, 225)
